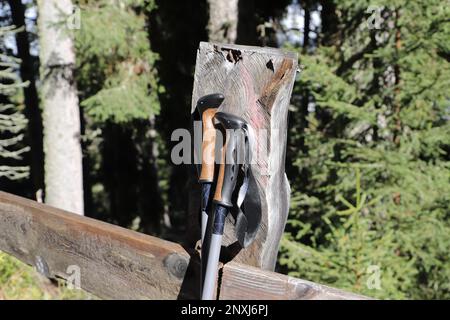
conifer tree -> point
(371, 178)
(118, 89)
(12, 120)
(29, 73)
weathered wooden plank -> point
(257, 84)
(115, 263)
(240, 283)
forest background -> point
(368, 155)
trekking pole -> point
(207, 108)
(225, 186)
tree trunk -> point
(330, 28)
(397, 105)
(303, 112)
(223, 20)
(150, 201)
(307, 28)
(32, 111)
(247, 23)
(62, 148)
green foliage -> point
(115, 66)
(12, 119)
(119, 91)
(19, 281)
(371, 167)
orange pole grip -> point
(208, 146)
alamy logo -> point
(74, 277)
(374, 279)
(73, 21)
(188, 149)
(374, 21)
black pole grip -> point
(209, 101)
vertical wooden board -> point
(257, 84)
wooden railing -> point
(117, 263)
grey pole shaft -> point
(206, 189)
(212, 266)
(215, 244)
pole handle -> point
(232, 157)
(208, 146)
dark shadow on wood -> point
(229, 252)
(190, 288)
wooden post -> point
(257, 84)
